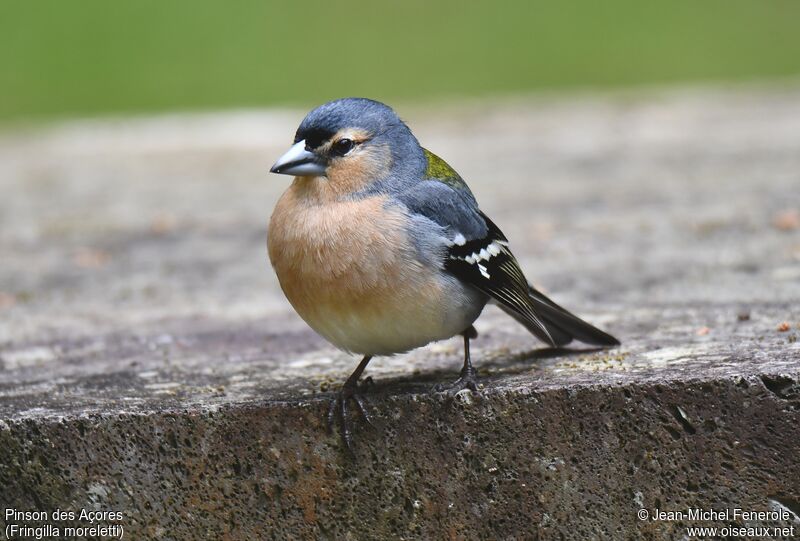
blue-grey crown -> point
(369, 115)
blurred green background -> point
(94, 57)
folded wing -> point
(478, 254)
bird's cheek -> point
(354, 173)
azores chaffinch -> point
(381, 248)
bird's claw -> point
(366, 385)
(467, 380)
(338, 410)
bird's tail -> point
(562, 326)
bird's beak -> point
(299, 162)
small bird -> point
(380, 246)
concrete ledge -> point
(558, 443)
(149, 366)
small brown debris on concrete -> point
(744, 315)
(787, 220)
(7, 300)
(783, 327)
(90, 258)
(163, 224)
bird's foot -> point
(338, 410)
(467, 380)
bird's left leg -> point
(350, 391)
(468, 378)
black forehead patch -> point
(314, 136)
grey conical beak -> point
(299, 162)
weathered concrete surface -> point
(149, 364)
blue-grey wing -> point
(454, 210)
(477, 251)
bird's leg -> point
(468, 379)
(350, 391)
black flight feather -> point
(500, 277)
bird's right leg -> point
(338, 408)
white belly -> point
(401, 321)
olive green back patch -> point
(439, 170)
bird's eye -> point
(343, 146)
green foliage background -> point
(85, 57)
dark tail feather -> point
(557, 336)
(567, 326)
(561, 324)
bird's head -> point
(352, 142)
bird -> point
(381, 247)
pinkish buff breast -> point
(350, 272)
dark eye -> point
(343, 146)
